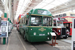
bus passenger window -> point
(47, 21)
(70, 25)
(26, 22)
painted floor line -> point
(22, 43)
(8, 44)
(69, 41)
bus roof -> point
(42, 12)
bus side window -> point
(65, 25)
(70, 25)
(26, 22)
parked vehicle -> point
(36, 25)
(59, 28)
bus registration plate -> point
(41, 34)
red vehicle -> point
(68, 24)
(17, 24)
(59, 28)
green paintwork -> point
(41, 31)
(29, 34)
(4, 40)
(9, 20)
(40, 35)
(5, 15)
(34, 11)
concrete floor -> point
(16, 42)
(68, 40)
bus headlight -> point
(48, 38)
(3, 29)
(34, 33)
(31, 29)
(48, 33)
(59, 30)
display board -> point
(53, 34)
(4, 28)
(42, 12)
(73, 34)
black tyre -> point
(24, 37)
(19, 31)
(58, 37)
(66, 37)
